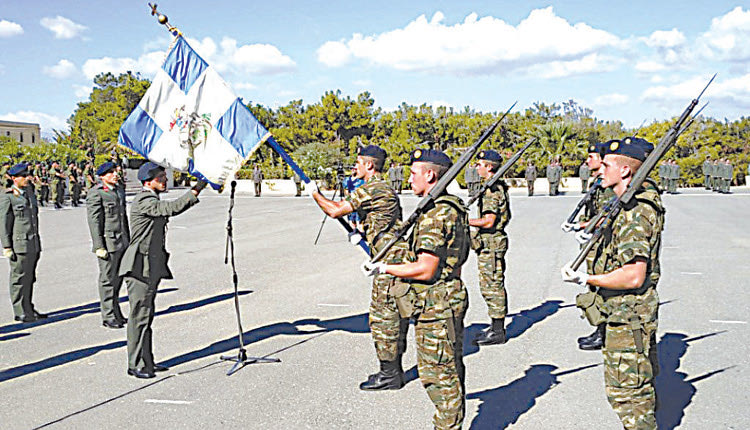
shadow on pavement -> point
(525, 319)
(13, 336)
(674, 390)
(71, 356)
(502, 406)
(67, 313)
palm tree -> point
(554, 136)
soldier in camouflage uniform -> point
(491, 243)
(595, 205)
(379, 209)
(57, 185)
(440, 240)
(629, 267)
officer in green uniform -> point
(553, 177)
(584, 173)
(19, 233)
(530, 176)
(74, 187)
(110, 235)
(43, 186)
(144, 263)
(57, 185)
(440, 239)
(629, 267)
(379, 209)
(297, 184)
(491, 243)
(706, 169)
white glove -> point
(582, 237)
(355, 238)
(8, 253)
(567, 227)
(372, 269)
(574, 276)
(101, 253)
(311, 187)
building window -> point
(21, 137)
(33, 138)
(7, 133)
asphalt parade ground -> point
(307, 305)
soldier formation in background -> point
(472, 180)
(396, 177)
(718, 175)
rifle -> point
(584, 201)
(440, 186)
(501, 171)
(618, 203)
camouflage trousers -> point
(440, 361)
(387, 327)
(491, 264)
(629, 375)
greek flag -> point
(191, 120)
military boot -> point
(596, 342)
(390, 377)
(495, 335)
(589, 338)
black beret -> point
(20, 169)
(431, 156)
(632, 147)
(373, 151)
(106, 168)
(489, 155)
(148, 171)
(596, 148)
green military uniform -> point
(298, 184)
(379, 209)
(530, 175)
(491, 246)
(584, 173)
(144, 265)
(675, 177)
(553, 177)
(630, 358)
(441, 306)
(74, 187)
(43, 187)
(714, 176)
(57, 187)
(19, 231)
(108, 225)
(706, 169)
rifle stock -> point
(589, 195)
(440, 186)
(501, 171)
(666, 143)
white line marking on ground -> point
(333, 305)
(691, 273)
(168, 402)
(670, 247)
(178, 226)
(727, 322)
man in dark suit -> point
(19, 233)
(144, 263)
(110, 235)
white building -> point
(24, 132)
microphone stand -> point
(241, 359)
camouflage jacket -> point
(636, 232)
(443, 230)
(380, 210)
(495, 201)
(596, 204)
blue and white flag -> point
(191, 120)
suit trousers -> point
(109, 286)
(141, 296)
(22, 277)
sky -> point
(633, 61)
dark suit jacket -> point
(146, 257)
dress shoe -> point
(122, 320)
(160, 368)
(112, 324)
(595, 344)
(39, 315)
(24, 318)
(390, 377)
(141, 373)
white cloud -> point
(728, 38)
(485, 45)
(650, 66)
(62, 27)
(613, 99)
(62, 70)
(726, 97)
(147, 64)
(244, 86)
(593, 63)
(9, 28)
(46, 121)
(362, 82)
(665, 39)
(82, 91)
